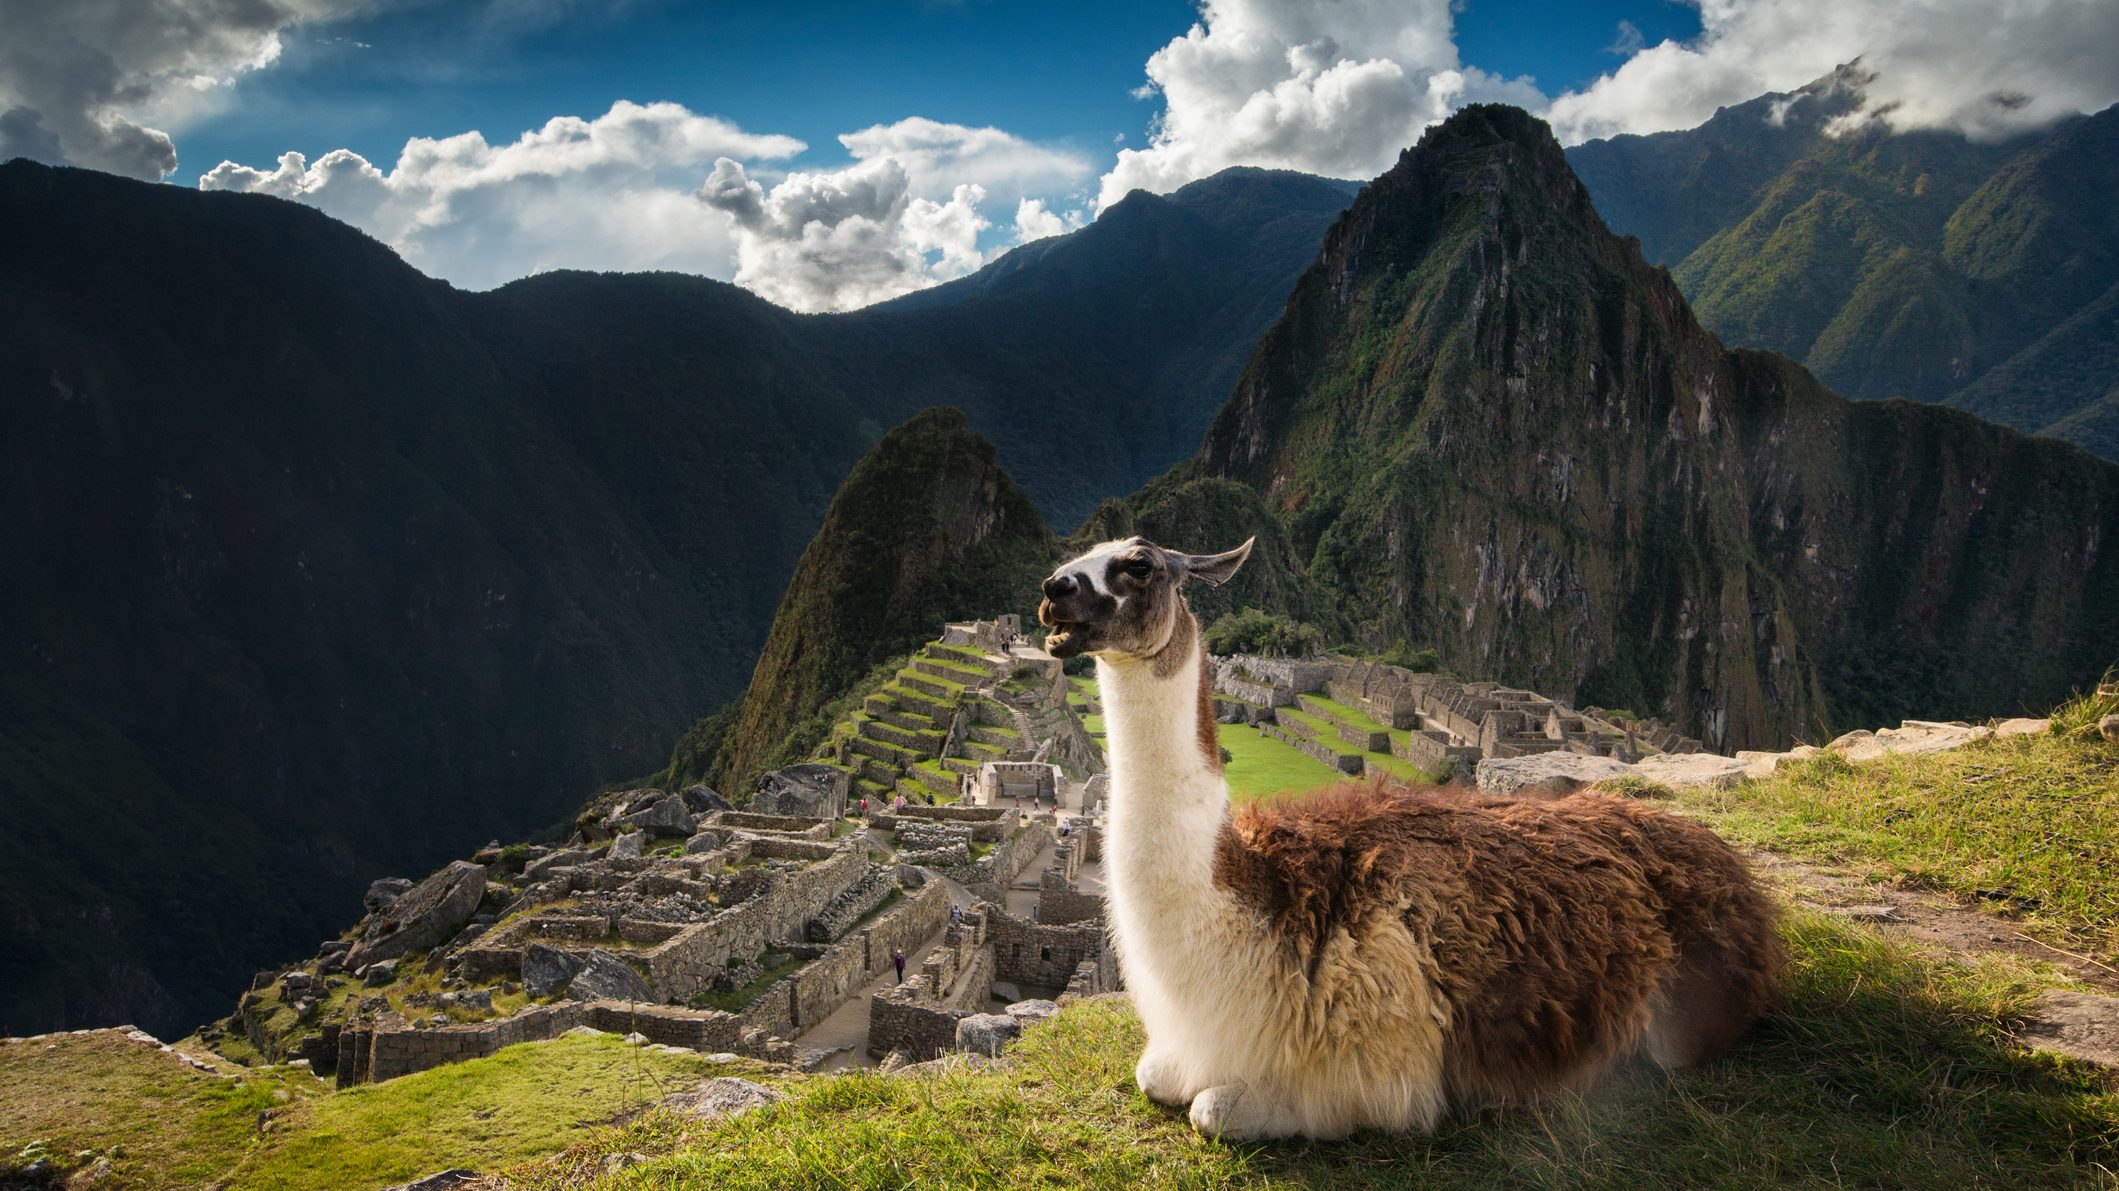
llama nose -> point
(1059, 587)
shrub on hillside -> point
(1256, 632)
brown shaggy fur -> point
(1561, 935)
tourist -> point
(897, 958)
(864, 808)
(956, 915)
(1066, 825)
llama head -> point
(1121, 599)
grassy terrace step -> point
(925, 743)
(1317, 728)
(956, 672)
(1383, 764)
(996, 734)
(970, 655)
(909, 720)
(933, 776)
(937, 707)
(979, 750)
(880, 772)
(963, 766)
(871, 790)
(937, 690)
(1353, 726)
(883, 750)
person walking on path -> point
(897, 958)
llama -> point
(1370, 957)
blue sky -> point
(831, 155)
(1047, 72)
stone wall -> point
(897, 1020)
(802, 826)
(1343, 762)
(1060, 902)
(1042, 955)
(842, 911)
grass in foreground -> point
(2027, 825)
(178, 1128)
(1888, 1070)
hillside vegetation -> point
(1917, 264)
(927, 528)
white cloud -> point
(1033, 221)
(95, 82)
(1987, 68)
(845, 238)
(882, 227)
(1334, 89)
(609, 193)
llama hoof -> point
(1233, 1112)
(1158, 1080)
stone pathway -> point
(847, 1026)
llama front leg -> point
(1242, 1112)
(1161, 1078)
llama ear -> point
(1216, 569)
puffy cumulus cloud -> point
(1033, 221)
(844, 238)
(1333, 89)
(1987, 68)
(938, 156)
(86, 82)
(609, 193)
(905, 215)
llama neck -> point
(1168, 797)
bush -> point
(1256, 632)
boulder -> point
(2023, 727)
(379, 973)
(605, 977)
(665, 816)
(546, 971)
(1032, 1011)
(704, 801)
(705, 841)
(1545, 775)
(723, 1096)
(1681, 770)
(424, 916)
(563, 858)
(381, 893)
(630, 846)
(1004, 991)
(987, 1033)
(2108, 727)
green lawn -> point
(1260, 766)
(1888, 1070)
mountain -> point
(1917, 264)
(1486, 423)
(926, 528)
(319, 569)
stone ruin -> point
(1003, 783)
(1350, 714)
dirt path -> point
(2081, 1025)
(1929, 918)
